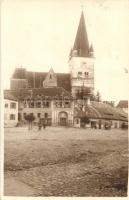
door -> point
(63, 118)
(63, 121)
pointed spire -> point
(81, 44)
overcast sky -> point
(38, 34)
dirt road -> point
(66, 162)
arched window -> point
(86, 73)
(50, 76)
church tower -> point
(81, 61)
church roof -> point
(19, 73)
(81, 44)
(35, 79)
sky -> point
(38, 35)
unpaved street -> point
(65, 162)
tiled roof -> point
(38, 92)
(109, 112)
(64, 80)
(19, 73)
(122, 104)
(38, 77)
(101, 110)
(9, 96)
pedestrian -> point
(39, 125)
(44, 124)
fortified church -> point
(63, 98)
(81, 65)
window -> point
(50, 76)
(38, 104)
(45, 115)
(12, 105)
(6, 105)
(79, 73)
(67, 104)
(47, 104)
(31, 105)
(38, 115)
(12, 117)
(86, 73)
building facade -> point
(55, 105)
(10, 111)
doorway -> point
(63, 119)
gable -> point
(50, 80)
(36, 79)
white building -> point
(10, 111)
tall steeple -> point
(81, 44)
(81, 61)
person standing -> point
(39, 125)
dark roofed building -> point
(98, 112)
(27, 79)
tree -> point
(83, 93)
(30, 118)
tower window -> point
(50, 76)
(86, 73)
(79, 73)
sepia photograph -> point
(65, 98)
